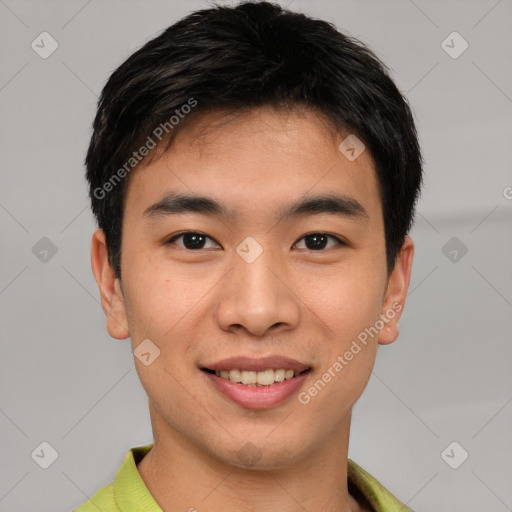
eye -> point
(194, 240)
(319, 240)
(191, 239)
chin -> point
(262, 455)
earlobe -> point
(112, 300)
(396, 293)
(389, 333)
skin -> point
(204, 305)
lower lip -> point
(258, 397)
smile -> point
(242, 387)
(253, 378)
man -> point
(254, 173)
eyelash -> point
(179, 235)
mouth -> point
(265, 377)
(257, 383)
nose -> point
(258, 296)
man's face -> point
(254, 284)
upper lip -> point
(275, 362)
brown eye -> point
(192, 240)
(318, 241)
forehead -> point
(249, 160)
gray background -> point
(63, 380)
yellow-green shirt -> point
(128, 492)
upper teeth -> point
(263, 378)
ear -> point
(396, 293)
(112, 299)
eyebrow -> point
(335, 204)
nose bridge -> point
(252, 270)
(255, 296)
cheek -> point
(347, 309)
(163, 307)
(326, 403)
(346, 299)
(159, 300)
(160, 309)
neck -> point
(183, 477)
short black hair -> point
(241, 57)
